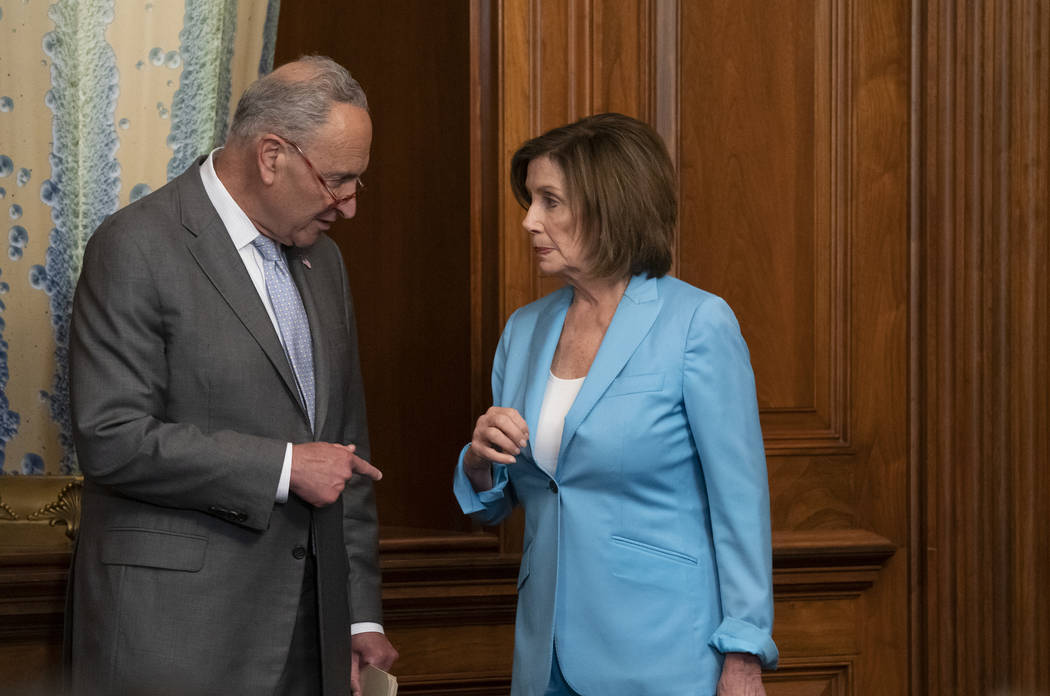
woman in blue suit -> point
(626, 424)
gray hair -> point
(295, 108)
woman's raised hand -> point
(499, 435)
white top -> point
(558, 398)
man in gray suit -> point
(228, 539)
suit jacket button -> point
(553, 486)
(222, 512)
(299, 552)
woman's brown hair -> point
(621, 187)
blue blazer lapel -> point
(635, 315)
(544, 341)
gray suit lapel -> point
(210, 245)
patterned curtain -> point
(101, 102)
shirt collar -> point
(240, 228)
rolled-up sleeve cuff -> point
(472, 501)
(734, 635)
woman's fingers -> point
(500, 434)
(492, 444)
(509, 421)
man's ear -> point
(267, 149)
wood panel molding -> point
(810, 678)
(981, 320)
(827, 563)
(32, 595)
(822, 426)
(442, 588)
(560, 61)
(768, 149)
(472, 684)
(664, 45)
(434, 580)
(484, 221)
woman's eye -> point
(549, 202)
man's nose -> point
(347, 209)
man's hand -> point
(368, 648)
(320, 471)
(741, 676)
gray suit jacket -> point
(186, 575)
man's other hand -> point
(320, 471)
(368, 648)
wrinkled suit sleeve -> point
(492, 506)
(722, 409)
(119, 376)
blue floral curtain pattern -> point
(85, 173)
(101, 102)
(201, 104)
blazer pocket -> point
(639, 565)
(151, 548)
(658, 551)
(633, 384)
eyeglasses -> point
(336, 200)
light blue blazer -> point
(647, 555)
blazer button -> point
(299, 552)
(553, 486)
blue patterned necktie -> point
(291, 318)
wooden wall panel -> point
(408, 250)
(878, 189)
(793, 159)
(981, 318)
(866, 181)
(765, 169)
(32, 599)
(561, 60)
(484, 196)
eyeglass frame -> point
(336, 200)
